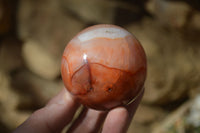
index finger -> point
(51, 118)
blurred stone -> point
(40, 61)
(138, 128)
(10, 54)
(174, 121)
(194, 92)
(46, 23)
(46, 30)
(171, 13)
(150, 6)
(118, 12)
(92, 10)
(194, 114)
(172, 62)
(147, 115)
(9, 101)
(35, 90)
(151, 49)
(8, 98)
(12, 118)
(184, 119)
(195, 22)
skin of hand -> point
(60, 110)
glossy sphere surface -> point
(104, 66)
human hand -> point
(60, 110)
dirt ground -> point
(34, 33)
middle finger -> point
(89, 121)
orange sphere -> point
(104, 66)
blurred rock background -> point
(33, 34)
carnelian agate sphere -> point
(104, 66)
